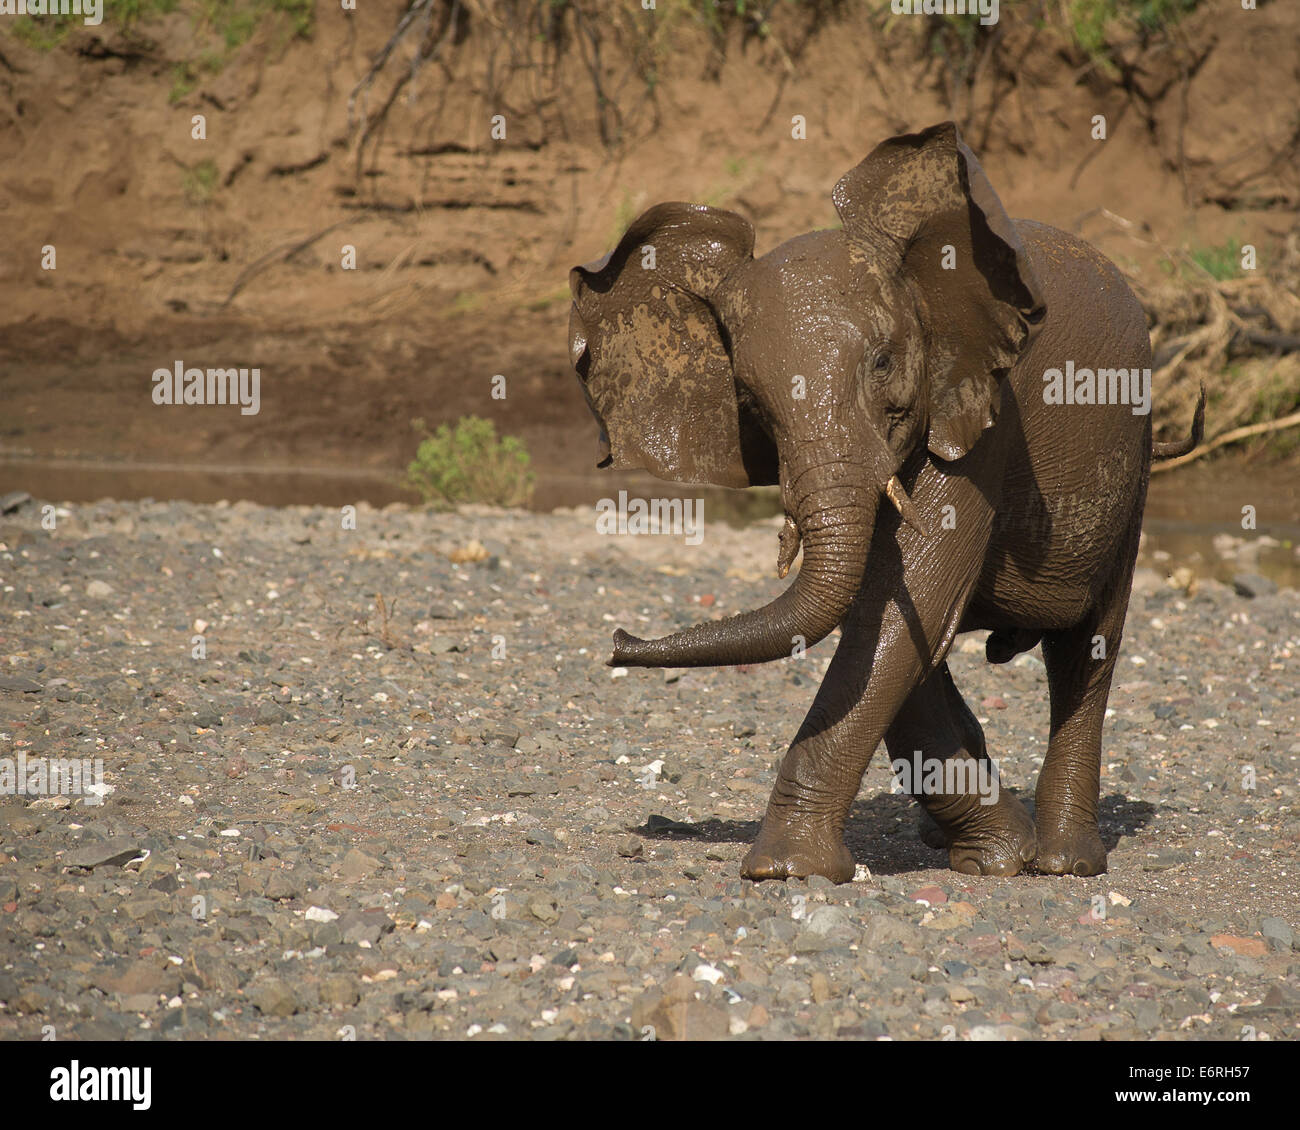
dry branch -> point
(278, 255)
(1239, 336)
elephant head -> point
(826, 365)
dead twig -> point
(279, 255)
(1095, 150)
(386, 636)
(377, 64)
(429, 48)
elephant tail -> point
(1183, 446)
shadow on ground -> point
(883, 834)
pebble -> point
(274, 998)
(1252, 585)
(1278, 932)
(106, 853)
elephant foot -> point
(781, 854)
(930, 832)
(996, 839)
(1072, 850)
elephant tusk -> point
(789, 539)
(907, 510)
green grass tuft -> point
(468, 463)
(200, 182)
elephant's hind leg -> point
(986, 830)
(972, 740)
(1080, 664)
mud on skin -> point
(918, 336)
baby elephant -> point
(989, 379)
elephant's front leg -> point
(898, 631)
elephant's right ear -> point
(649, 349)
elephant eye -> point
(882, 363)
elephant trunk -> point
(834, 504)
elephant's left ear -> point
(921, 206)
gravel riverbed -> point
(447, 818)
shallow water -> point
(1194, 515)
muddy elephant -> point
(956, 407)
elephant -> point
(930, 353)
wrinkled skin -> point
(889, 376)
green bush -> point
(1088, 20)
(468, 463)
